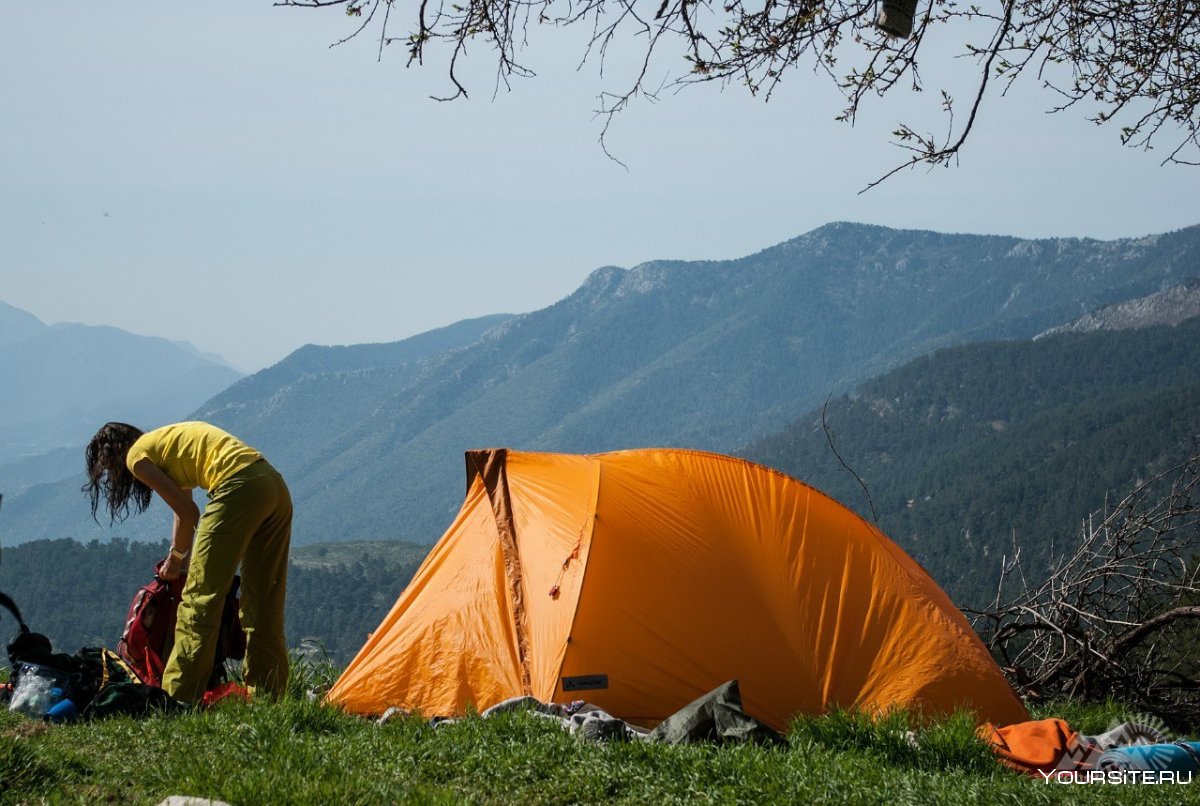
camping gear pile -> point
(58, 687)
(97, 682)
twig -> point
(850, 470)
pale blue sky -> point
(213, 172)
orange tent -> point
(640, 580)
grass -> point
(299, 751)
(385, 552)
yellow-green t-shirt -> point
(193, 454)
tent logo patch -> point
(585, 681)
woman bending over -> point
(247, 520)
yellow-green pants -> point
(247, 520)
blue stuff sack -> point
(1177, 757)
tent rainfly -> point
(639, 580)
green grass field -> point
(298, 751)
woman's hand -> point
(171, 568)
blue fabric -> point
(1178, 757)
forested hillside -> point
(967, 448)
(78, 595)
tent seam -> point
(587, 537)
(500, 499)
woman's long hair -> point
(108, 478)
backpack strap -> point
(11, 607)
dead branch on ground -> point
(1118, 613)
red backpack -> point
(150, 630)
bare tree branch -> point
(1133, 60)
(1116, 613)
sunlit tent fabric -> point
(639, 580)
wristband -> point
(177, 554)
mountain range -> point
(711, 354)
(62, 381)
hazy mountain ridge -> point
(17, 325)
(709, 354)
(296, 406)
(22, 474)
(1170, 306)
(290, 408)
(62, 381)
(706, 354)
(312, 359)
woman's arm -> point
(187, 514)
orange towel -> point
(1031, 747)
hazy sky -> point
(214, 172)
